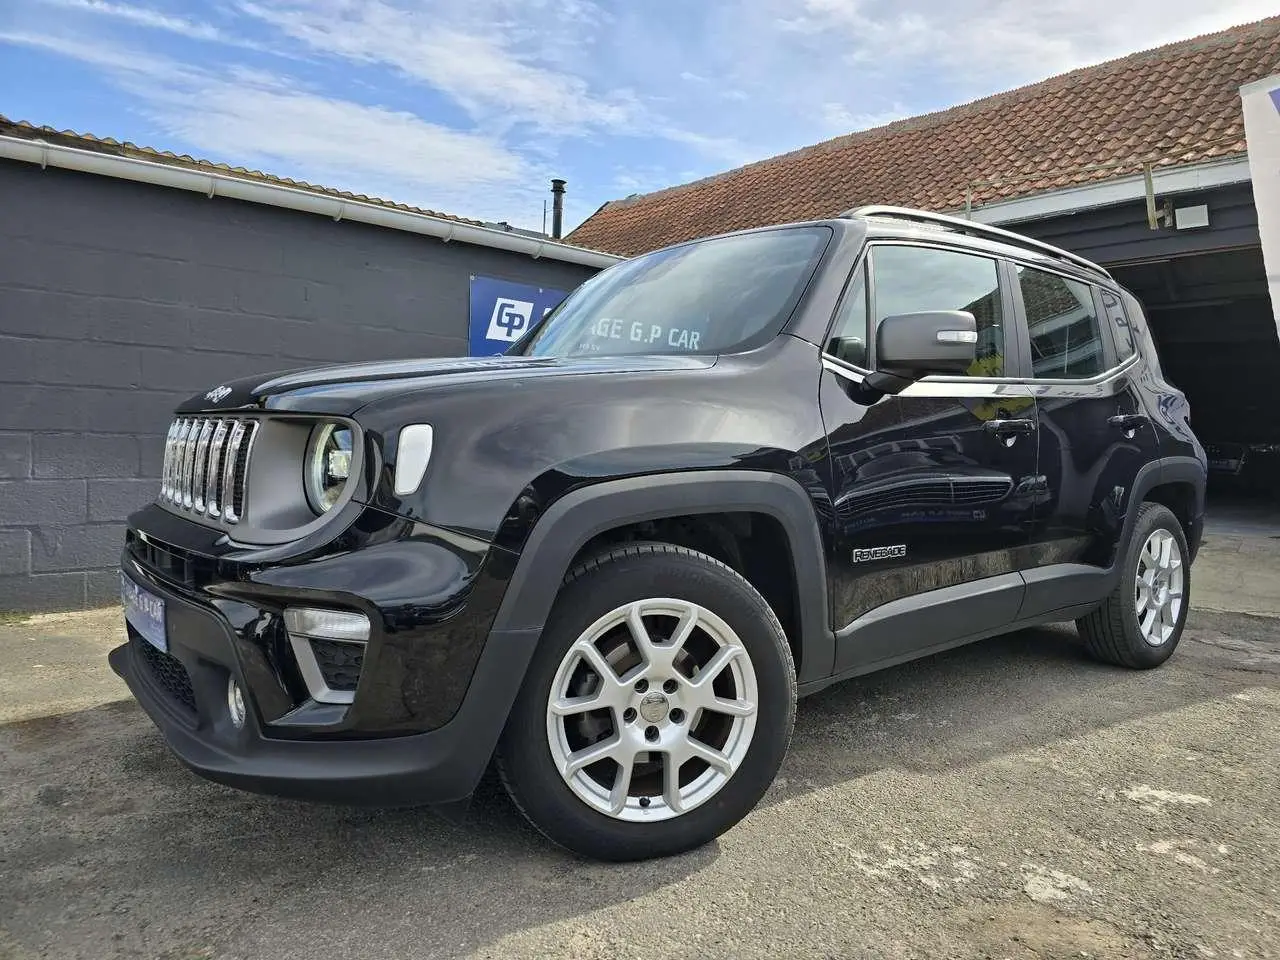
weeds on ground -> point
(9, 617)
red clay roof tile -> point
(1176, 104)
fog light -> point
(235, 703)
(328, 646)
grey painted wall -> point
(118, 299)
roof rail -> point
(974, 229)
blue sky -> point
(471, 106)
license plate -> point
(145, 612)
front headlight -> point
(328, 465)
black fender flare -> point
(571, 521)
(1157, 473)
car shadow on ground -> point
(1012, 693)
(103, 834)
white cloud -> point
(812, 69)
(152, 19)
(997, 39)
(839, 119)
(144, 17)
(471, 105)
(486, 71)
(501, 61)
(255, 118)
(104, 56)
(352, 141)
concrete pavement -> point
(1009, 799)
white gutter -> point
(214, 184)
(1166, 180)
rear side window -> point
(914, 279)
(1114, 309)
(1066, 341)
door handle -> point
(1005, 428)
(1128, 422)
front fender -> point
(574, 519)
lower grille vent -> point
(339, 662)
(168, 672)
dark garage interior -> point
(1212, 319)
(1204, 290)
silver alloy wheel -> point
(652, 710)
(1159, 588)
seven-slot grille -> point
(206, 461)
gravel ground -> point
(1009, 799)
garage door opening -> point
(1215, 330)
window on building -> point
(1125, 345)
(849, 335)
(1066, 342)
(916, 279)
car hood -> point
(343, 389)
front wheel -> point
(657, 709)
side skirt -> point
(915, 627)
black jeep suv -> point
(717, 477)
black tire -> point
(1112, 633)
(591, 590)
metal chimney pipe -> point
(557, 207)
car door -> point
(1095, 433)
(933, 489)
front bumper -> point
(434, 693)
(439, 767)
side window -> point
(849, 335)
(1125, 346)
(1066, 341)
(913, 279)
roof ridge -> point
(1234, 34)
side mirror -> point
(910, 346)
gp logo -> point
(510, 320)
(502, 312)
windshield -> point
(712, 296)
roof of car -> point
(1174, 105)
(885, 226)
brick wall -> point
(117, 300)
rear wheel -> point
(657, 709)
(1140, 623)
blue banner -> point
(502, 312)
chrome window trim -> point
(974, 386)
(858, 374)
(1096, 380)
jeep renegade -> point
(717, 477)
